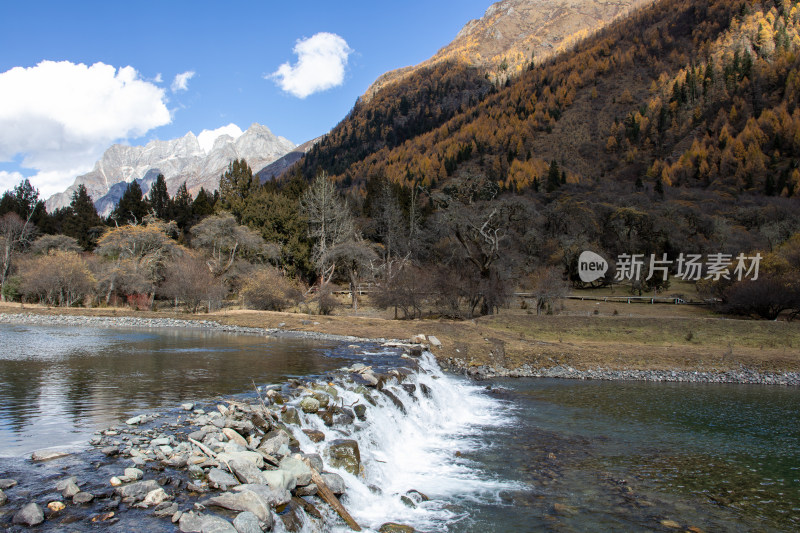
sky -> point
(77, 77)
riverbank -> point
(653, 343)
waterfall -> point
(414, 446)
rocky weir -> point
(362, 448)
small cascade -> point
(411, 429)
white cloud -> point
(321, 61)
(61, 116)
(158, 78)
(207, 137)
(9, 180)
(181, 81)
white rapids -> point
(415, 451)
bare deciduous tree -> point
(15, 233)
(268, 289)
(225, 240)
(189, 280)
(58, 278)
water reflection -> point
(59, 384)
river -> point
(503, 455)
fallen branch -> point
(330, 498)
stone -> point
(436, 343)
(245, 471)
(30, 515)
(274, 442)
(219, 479)
(190, 522)
(234, 436)
(395, 400)
(327, 416)
(290, 416)
(3, 497)
(360, 411)
(256, 459)
(309, 405)
(314, 435)
(161, 441)
(344, 453)
(47, 455)
(275, 498)
(110, 451)
(115, 481)
(279, 479)
(134, 474)
(165, 509)
(153, 498)
(247, 522)
(335, 482)
(309, 490)
(244, 500)
(6, 484)
(323, 399)
(672, 524)
(70, 489)
(56, 507)
(64, 483)
(564, 510)
(315, 460)
(426, 390)
(137, 490)
(135, 420)
(82, 497)
(392, 527)
(216, 524)
(297, 468)
(188, 406)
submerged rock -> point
(290, 416)
(344, 453)
(6, 484)
(138, 490)
(30, 515)
(3, 497)
(392, 527)
(69, 489)
(309, 405)
(360, 411)
(314, 435)
(82, 497)
(47, 455)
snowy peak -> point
(197, 160)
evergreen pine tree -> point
(82, 221)
(159, 198)
(132, 207)
(181, 208)
(553, 177)
(235, 185)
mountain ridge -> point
(179, 160)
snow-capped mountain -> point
(198, 162)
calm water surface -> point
(625, 456)
(60, 384)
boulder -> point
(219, 479)
(275, 498)
(47, 455)
(244, 500)
(392, 527)
(234, 436)
(248, 457)
(297, 468)
(30, 515)
(3, 497)
(290, 416)
(137, 490)
(245, 471)
(344, 453)
(323, 399)
(247, 522)
(360, 411)
(279, 479)
(64, 483)
(216, 524)
(314, 435)
(436, 343)
(6, 484)
(309, 405)
(70, 489)
(275, 443)
(335, 482)
(315, 460)
(190, 522)
(395, 400)
(83, 497)
(153, 498)
(134, 474)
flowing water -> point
(527, 455)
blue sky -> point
(194, 66)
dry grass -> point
(640, 336)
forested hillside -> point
(674, 131)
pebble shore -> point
(742, 375)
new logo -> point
(591, 267)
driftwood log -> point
(330, 498)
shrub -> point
(268, 289)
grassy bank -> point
(584, 335)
